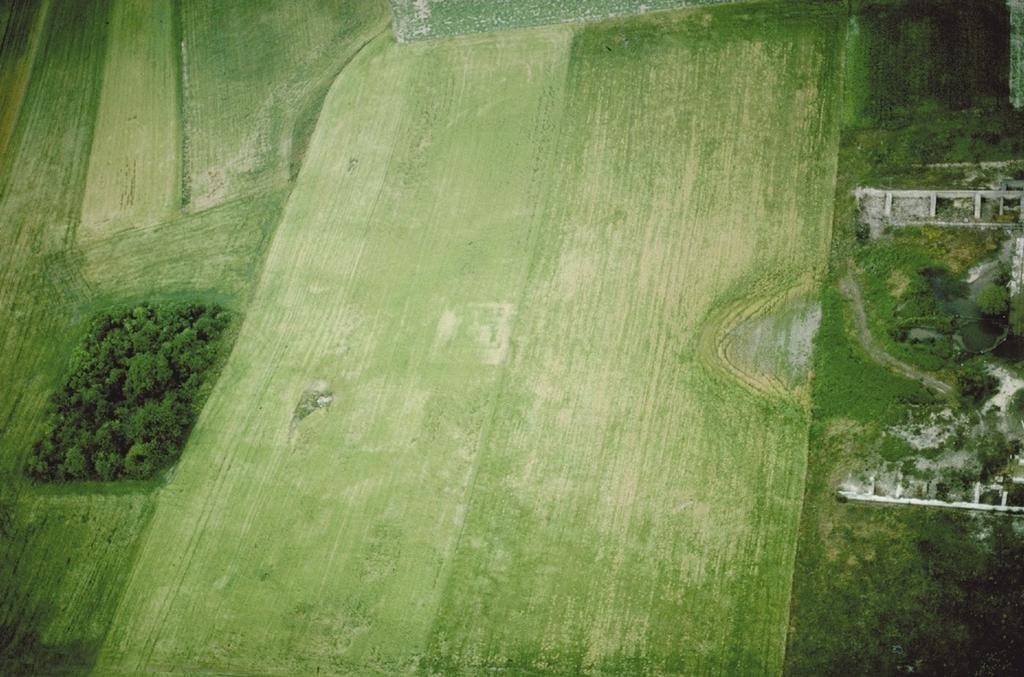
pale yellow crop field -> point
(504, 257)
(135, 163)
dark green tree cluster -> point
(133, 393)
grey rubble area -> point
(423, 19)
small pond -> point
(977, 333)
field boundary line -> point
(297, 158)
(826, 278)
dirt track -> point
(850, 290)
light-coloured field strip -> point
(499, 257)
(399, 305)
(134, 168)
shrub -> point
(1017, 402)
(132, 394)
(975, 384)
(994, 451)
(108, 465)
(994, 300)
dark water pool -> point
(978, 333)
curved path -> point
(850, 290)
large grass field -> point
(504, 256)
(135, 160)
(420, 19)
(512, 259)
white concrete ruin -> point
(915, 207)
(933, 503)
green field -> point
(19, 28)
(63, 560)
(134, 164)
(512, 258)
(67, 552)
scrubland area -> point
(894, 589)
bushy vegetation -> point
(1016, 405)
(1016, 315)
(954, 248)
(993, 451)
(929, 55)
(844, 375)
(903, 284)
(890, 590)
(132, 394)
(925, 592)
(994, 300)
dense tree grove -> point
(132, 394)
